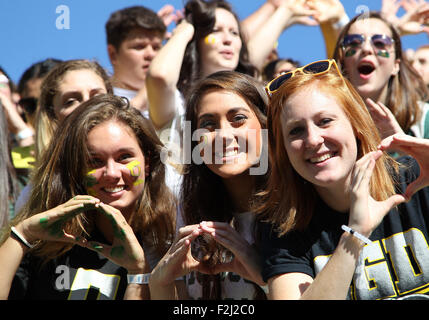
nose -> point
(112, 170)
(314, 137)
(366, 45)
(150, 53)
(227, 37)
(225, 134)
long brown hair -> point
(203, 195)
(289, 200)
(61, 171)
(405, 89)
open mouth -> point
(365, 68)
(322, 158)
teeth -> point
(229, 153)
(115, 189)
(321, 158)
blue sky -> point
(29, 32)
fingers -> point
(413, 188)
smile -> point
(228, 153)
(114, 189)
(322, 158)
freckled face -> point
(117, 169)
(319, 138)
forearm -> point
(255, 21)
(11, 254)
(333, 281)
(162, 79)
(262, 42)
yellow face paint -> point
(91, 181)
(135, 171)
(210, 39)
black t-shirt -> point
(79, 274)
(394, 265)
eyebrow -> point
(233, 110)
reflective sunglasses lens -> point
(353, 40)
(317, 67)
(381, 41)
(279, 81)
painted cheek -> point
(383, 53)
(210, 39)
(135, 170)
(350, 53)
(90, 182)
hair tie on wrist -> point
(21, 238)
(356, 234)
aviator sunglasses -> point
(315, 68)
(355, 41)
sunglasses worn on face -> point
(378, 41)
(315, 68)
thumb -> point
(413, 187)
(393, 201)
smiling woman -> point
(106, 195)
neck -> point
(119, 83)
(337, 198)
(240, 189)
(377, 96)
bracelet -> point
(142, 278)
(356, 234)
(342, 22)
(20, 238)
(24, 134)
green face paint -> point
(135, 171)
(383, 53)
(350, 53)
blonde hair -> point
(289, 201)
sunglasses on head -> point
(315, 68)
(28, 104)
(378, 41)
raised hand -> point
(417, 148)
(365, 212)
(125, 249)
(49, 225)
(246, 259)
(384, 119)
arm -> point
(331, 17)
(256, 20)
(262, 42)
(15, 122)
(333, 281)
(163, 75)
(44, 226)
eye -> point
(325, 121)
(239, 119)
(70, 102)
(95, 162)
(234, 32)
(124, 156)
(379, 44)
(207, 124)
(296, 131)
